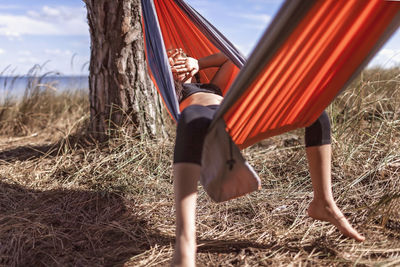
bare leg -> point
(323, 206)
(186, 176)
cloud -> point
(252, 21)
(24, 53)
(52, 12)
(46, 21)
(58, 14)
(58, 52)
(14, 26)
(390, 55)
(260, 18)
(267, 1)
(387, 58)
(8, 7)
(244, 48)
(389, 52)
(206, 7)
(29, 60)
(259, 3)
(1, 51)
(203, 3)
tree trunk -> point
(121, 93)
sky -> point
(55, 35)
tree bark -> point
(121, 93)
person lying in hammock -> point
(199, 103)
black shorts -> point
(318, 133)
(195, 120)
(192, 128)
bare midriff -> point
(201, 98)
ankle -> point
(186, 241)
(185, 233)
(184, 252)
(323, 201)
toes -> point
(333, 215)
(346, 229)
(355, 235)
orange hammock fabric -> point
(179, 32)
(310, 68)
(326, 48)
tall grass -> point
(41, 106)
(112, 204)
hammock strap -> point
(157, 58)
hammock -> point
(309, 53)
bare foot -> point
(329, 212)
(184, 254)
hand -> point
(173, 55)
(188, 66)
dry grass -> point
(41, 108)
(66, 201)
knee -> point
(319, 133)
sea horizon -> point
(15, 85)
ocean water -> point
(16, 86)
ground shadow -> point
(23, 153)
(71, 228)
(230, 246)
(30, 152)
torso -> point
(200, 94)
(201, 98)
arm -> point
(192, 66)
(215, 60)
